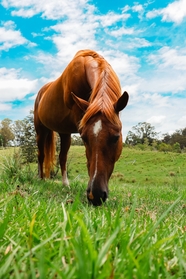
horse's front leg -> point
(64, 147)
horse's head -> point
(103, 143)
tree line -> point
(144, 134)
(22, 133)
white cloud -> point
(74, 33)
(156, 100)
(166, 57)
(121, 31)
(13, 87)
(17, 113)
(138, 8)
(37, 34)
(111, 18)
(156, 119)
(49, 9)
(174, 12)
(153, 13)
(167, 66)
(163, 82)
(182, 121)
(9, 37)
(5, 107)
(138, 43)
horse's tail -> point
(49, 150)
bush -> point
(164, 147)
(177, 148)
(14, 171)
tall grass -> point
(14, 171)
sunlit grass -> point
(50, 231)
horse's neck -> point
(92, 71)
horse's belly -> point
(65, 126)
(60, 123)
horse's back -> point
(54, 104)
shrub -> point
(177, 148)
(14, 171)
(164, 147)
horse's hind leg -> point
(41, 155)
(64, 147)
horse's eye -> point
(113, 139)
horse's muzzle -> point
(97, 197)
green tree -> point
(1, 140)
(179, 136)
(141, 133)
(18, 129)
(184, 132)
(28, 139)
(76, 140)
(6, 132)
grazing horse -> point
(87, 99)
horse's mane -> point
(105, 93)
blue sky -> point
(144, 41)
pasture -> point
(50, 231)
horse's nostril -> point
(97, 197)
(104, 196)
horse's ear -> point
(121, 102)
(80, 102)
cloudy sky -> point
(144, 41)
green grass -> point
(49, 231)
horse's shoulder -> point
(45, 87)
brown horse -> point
(87, 99)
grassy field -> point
(49, 231)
